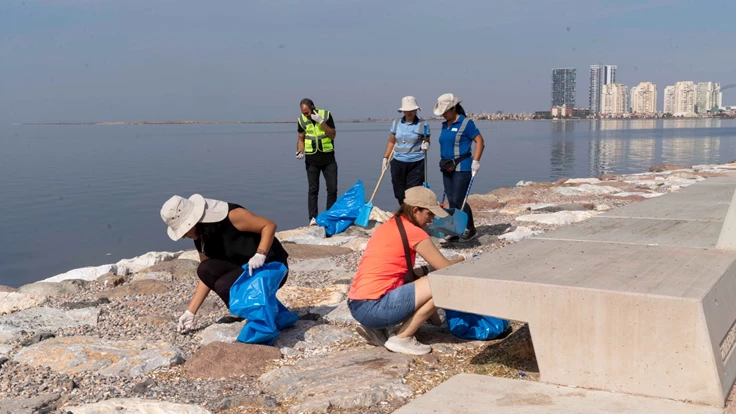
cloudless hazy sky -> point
(246, 60)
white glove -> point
(475, 167)
(186, 321)
(300, 155)
(255, 262)
(316, 118)
(384, 163)
(425, 145)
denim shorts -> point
(391, 309)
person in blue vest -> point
(458, 160)
(316, 147)
(409, 141)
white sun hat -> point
(181, 214)
(445, 102)
(409, 103)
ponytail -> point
(460, 110)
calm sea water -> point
(75, 196)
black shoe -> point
(451, 239)
(470, 234)
(229, 319)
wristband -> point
(261, 251)
(425, 270)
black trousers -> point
(329, 171)
(220, 275)
(406, 175)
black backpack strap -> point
(409, 276)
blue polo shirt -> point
(408, 139)
(453, 146)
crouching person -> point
(227, 236)
(384, 292)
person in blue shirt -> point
(409, 141)
(458, 160)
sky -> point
(227, 60)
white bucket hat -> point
(409, 103)
(445, 102)
(181, 214)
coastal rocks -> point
(177, 269)
(136, 406)
(52, 288)
(638, 194)
(136, 264)
(582, 181)
(111, 280)
(379, 215)
(560, 207)
(85, 303)
(314, 265)
(189, 255)
(222, 332)
(14, 301)
(108, 358)
(668, 167)
(586, 189)
(519, 234)
(4, 288)
(514, 210)
(559, 218)
(85, 273)
(339, 313)
(348, 380)
(220, 360)
(141, 287)
(307, 251)
(45, 320)
(305, 334)
(37, 404)
(311, 232)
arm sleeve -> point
(426, 129)
(414, 234)
(330, 122)
(471, 131)
(198, 245)
(299, 127)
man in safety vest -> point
(315, 146)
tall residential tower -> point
(563, 87)
(599, 75)
(644, 98)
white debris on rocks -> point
(129, 266)
(560, 218)
(84, 273)
(520, 233)
(586, 189)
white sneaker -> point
(313, 222)
(408, 345)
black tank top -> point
(236, 246)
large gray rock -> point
(222, 332)
(37, 320)
(305, 334)
(310, 251)
(84, 273)
(586, 189)
(349, 380)
(75, 354)
(178, 269)
(136, 406)
(339, 313)
(51, 288)
(136, 264)
(316, 265)
(163, 276)
(220, 360)
(29, 405)
(14, 301)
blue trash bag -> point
(254, 298)
(475, 327)
(344, 212)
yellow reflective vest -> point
(315, 137)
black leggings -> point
(219, 275)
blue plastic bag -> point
(476, 327)
(344, 212)
(254, 298)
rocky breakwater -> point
(104, 339)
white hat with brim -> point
(445, 102)
(181, 214)
(425, 198)
(409, 103)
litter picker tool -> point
(365, 212)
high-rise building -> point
(599, 75)
(644, 98)
(669, 99)
(614, 99)
(563, 87)
(685, 97)
(632, 99)
(708, 96)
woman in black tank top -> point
(227, 236)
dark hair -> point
(207, 230)
(460, 110)
(406, 211)
(308, 102)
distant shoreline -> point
(192, 122)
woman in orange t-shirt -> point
(378, 297)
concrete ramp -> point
(466, 393)
(637, 300)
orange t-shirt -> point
(383, 266)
